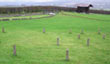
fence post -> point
(67, 54)
(82, 31)
(14, 50)
(99, 31)
(58, 41)
(79, 36)
(104, 36)
(70, 31)
(43, 30)
(3, 30)
(88, 41)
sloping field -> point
(91, 16)
(35, 47)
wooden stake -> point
(58, 41)
(104, 36)
(14, 50)
(43, 30)
(82, 31)
(99, 31)
(79, 36)
(70, 31)
(3, 30)
(88, 41)
(67, 54)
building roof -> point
(83, 5)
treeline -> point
(44, 9)
(8, 10)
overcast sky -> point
(28, 0)
(53, 0)
(97, 3)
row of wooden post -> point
(70, 32)
(58, 42)
(82, 32)
(88, 40)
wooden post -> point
(99, 31)
(82, 31)
(104, 36)
(3, 30)
(58, 41)
(70, 31)
(79, 36)
(88, 41)
(14, 50)
(67, 54)
(43, 30)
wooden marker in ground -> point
(70, 31)
(79, 36)
(82, 31)
(88, 41)
(67, 54)
(14, 50)
(104, 36)
(58, 41)
(43, 30)
(3, 30)
(99, 31)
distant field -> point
(35, 47)
(94, 16)
(33, 16)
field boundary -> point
(83, 17)
(26, 18)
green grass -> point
(95, 16)
(34, 47)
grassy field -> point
(35, 47)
